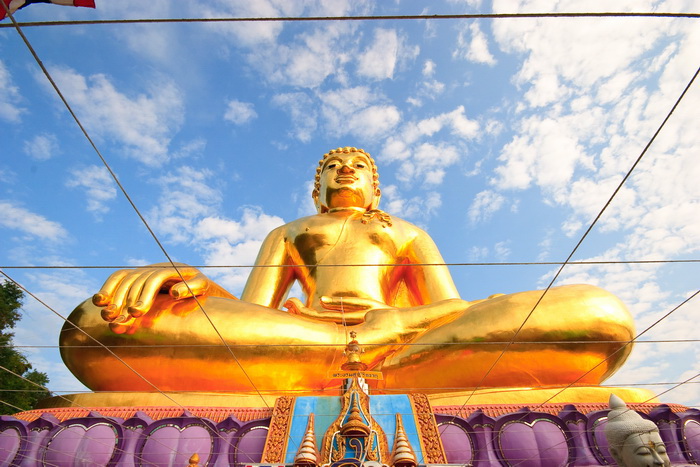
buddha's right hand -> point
(130, 293)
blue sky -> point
(502, 138)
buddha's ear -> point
(317, 202)
(375, 199)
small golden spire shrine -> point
(402, 455)
(353, 355)
(308, 455)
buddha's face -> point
(346, 181)
(643, 450)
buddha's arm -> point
(273, 274)
(429, 281)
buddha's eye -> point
(359, 165)
(332, 165)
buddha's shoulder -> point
(320, 221)
(301, 225)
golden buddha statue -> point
(360, 269)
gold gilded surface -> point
(156, 399)
(529, 396)
(415, 328)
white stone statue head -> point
(633, 441)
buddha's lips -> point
(346, 179)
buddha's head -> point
(346, 177)
(633, 441)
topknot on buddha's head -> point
(345, 150)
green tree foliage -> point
(14, 391)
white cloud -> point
(143, 123)
(189, 212)
(374, 121)
(190, 149)
(98, 185)
(310, 58)
(484, 205)
(42, 147)
(18, 218)
(415, 208)
(421, 154)
(429, 68)
(302, 113)
(467, 3)
(239, 113)
(502, 250)
(476, 49)
(379, 59)
(248, 33)
(546, 152)
(254, 225)
(9, 98)
(187, 195)
(230, 242)
(357, 111)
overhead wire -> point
(134, 207)
(583, 237)
(567, 262)
(408, 344)
(136, 210)
(656, 396)
(354, 265)
(121, 187)
(73, 403)
(590, 227)
(363, 18)
(111, 352)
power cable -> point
(407, 344)
(124, 192)
(362, 18)
(255, 266)
(563, 264)
(630, 342)
(7, 370)
(590, 228)
(101, 345)
(628, 409)
(19, 409)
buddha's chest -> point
(350, 241)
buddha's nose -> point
(346, 169)
(657, 458)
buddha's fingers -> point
(294, 306)
(133, 299)
(351, 304)
(116, 311)
(198, 285)
(156, 279)
(104, 296)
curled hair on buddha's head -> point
(346, 150)
(622, 423)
